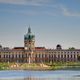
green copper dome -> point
(29, 35)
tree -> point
(71, 48)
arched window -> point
(12, 55)
(39, 55)
(36, 55)
(74, 56)
(42, 55)
(9, 55)
(4, 55)
(71, 55)
(61, 56)
(26, 55)
(22, 55)
(68, 55)
(65, 56)
(16, 55)
(49, 56)
(54, 56)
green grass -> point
(3, 66)
(36, 66)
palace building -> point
(31, 54)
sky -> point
(52, 21)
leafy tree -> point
(71, 48)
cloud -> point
(53, 9)
(13, 1)
(26, 2)
(29, 12)
(67, 12)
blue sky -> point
(52, 21)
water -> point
(40, 75)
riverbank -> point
(41, 66)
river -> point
(40, 75)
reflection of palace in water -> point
(33, 78)
(31, 54)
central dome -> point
(29, 35)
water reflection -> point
(30, 78)
(33, 78)
(40, 75)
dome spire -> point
(29, 29)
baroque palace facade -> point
(31, 54)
